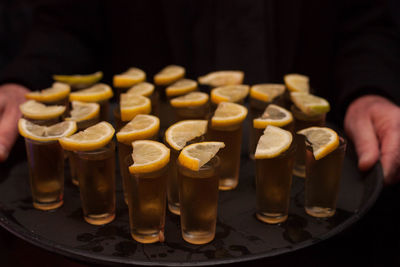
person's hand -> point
(11, 96)
(373, 124)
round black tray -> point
(239, 235)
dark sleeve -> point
(368, 56)
(66, 38)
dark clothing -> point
(348, 48)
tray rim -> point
(82, 256)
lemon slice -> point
(194, 156)
(56, 92)
(82, 111)
(222, 78)
(323, 140)
(79, 80)
(131, 105)
(297, 82)
(310, 104)
(169, 75)
(38, 111)
(181, 87)
(266, 92)
(192, 99)
(273, 142)
(144, 89)
(148, 156)
(46, 133)
(229, 93)
(129, 78)
(228, 114)
(141, 127)
(91, 138)
(178, 134)
(273, 115)
(96, 93)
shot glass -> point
(97, 183)
(199, 213)
(273, 184)
(124, 150)
(81, 125)
(146, 202)
(323, 180)
(46, 173)
(230, 155)
(302, 121)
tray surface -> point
(239, 235)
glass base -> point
(99, 219)
(48, 206)
(271, 218)
(299, 171)
(174, 208)
(198, 237)
(320, 212)
(146, 238)
(226, 184)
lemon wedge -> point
(310, 104)
(178, 134)
(273, 115)
(273, 142)
(129, 78)
(96, 93)
(82, 111)
(297, 82)
(169, 75)
(323, 140)
(46, 133)
(222, 78)
(194, 156)
(141, 127)
(228, 114)
(266, 92)
(181, 87)
(148, 156)
(229, 93)
(56, 92)
(79, 80)
(131, 105)
(38, 111)
(93, 137)
(144, 89)
(193, 99)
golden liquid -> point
(198, 192)
(46, 173)
(192, 113)
(229, 155)
(302, 121)
(124, 151)
(81, 125)
(322, 181)
(97, 184)
(273, 183)
(172, 183)
(146, 202)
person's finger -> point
(8, 131)
(360, 129)
(389, 134)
